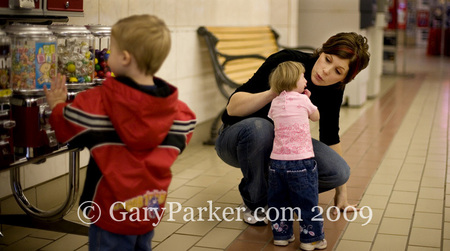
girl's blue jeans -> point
(248, 144)
(293, 189)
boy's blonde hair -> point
(285, 76)
(146, 38)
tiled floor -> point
(396, 144)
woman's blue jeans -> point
(247, 145)
(293, 189)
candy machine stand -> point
(52, 220)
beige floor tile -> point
(402, 197)
(12, 234)
(425, 237)
(446, 230)
(233, 177)
(219, 238)
(28, 243)
(434, 172)
(415, 159)
(345, 245)
(199, 228)
(385, 242)
(219, 170)
(418, 248)
(233, 224)
(447, 214)
(188, 174)
(438, 182)
(164, 230)
(43, 234)
(395, 226)
(429, 206)
(374, 201)
(434, 161)
(407, 185)
(410, 174)
(377, 216)
(232, 197)
(10, 206)
(175, 212)
(83, 248)
(203, 181)
(431, 193)
(383, 179)
(177, 242)
(446, 245)
(176, 183)
(51, 194)
(399, 211)
(427, 220)
(68, 242)
(203, 249)
(201, 200)
(185, 192)
(379, 189)
(357, 232)
(218, 188)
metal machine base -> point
(52, 219)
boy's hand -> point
(58, 91)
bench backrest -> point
(237, 52)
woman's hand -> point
(341, 201)
(58, 91)
(243, 103)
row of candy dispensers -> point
(30, 56)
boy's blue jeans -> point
(248, 144)
(102, 240)
(293, 188)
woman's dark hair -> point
(348, 45)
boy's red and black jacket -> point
(134, 134)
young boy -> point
(293, 181)
(135, 127)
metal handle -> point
(67, 5)
(56, 214)
(7, 124)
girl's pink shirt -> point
(290, 112)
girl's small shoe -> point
(322, 244)
(283, 242)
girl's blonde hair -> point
(285, 76)
(146, 38)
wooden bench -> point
(236, 53)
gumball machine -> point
(33, 65)
(6, 122)
(102, 39)
(75, 58)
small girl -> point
(293, 176)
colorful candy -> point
(75, 60)
(33, 63)
(101, 63)
(75, 57)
